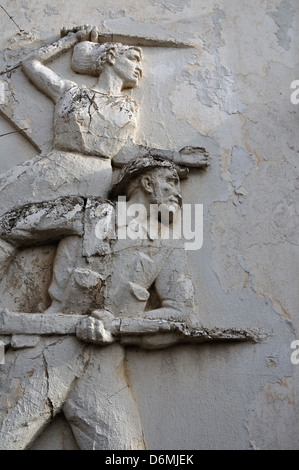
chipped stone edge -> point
(147, 334)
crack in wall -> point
(49, 401)
(11, 18)
(11, 69)
(14, 132)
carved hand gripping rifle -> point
(25, 329)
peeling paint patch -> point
(282, 390)
(213, 39)
(241, 203)
(283, 17)
(175, 5)
(214, 82)
(273, 417)
(50, 10)
(281, 309)
(240, 166)
(215, 87)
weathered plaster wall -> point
(230, 92)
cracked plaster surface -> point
(231, 93)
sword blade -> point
(141, 41)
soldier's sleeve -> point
(173, 284)
(43, 222)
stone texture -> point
(29, 396)
(229, 93)
(57, 436)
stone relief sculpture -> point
(114, 275)
(127, 270)
(105, 292)
(91, 126)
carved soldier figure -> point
(114, 275)
(131, 267)
(92, 126)
(127, 272)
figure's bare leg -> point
(101, 408)
(34, 383)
